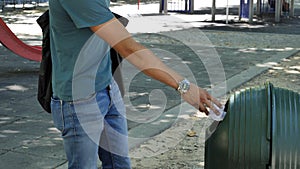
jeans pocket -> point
(57, 114)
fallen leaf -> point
(191, 133)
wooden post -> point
(213, 10)
(278, 6)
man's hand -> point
(201, 99)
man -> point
(87, 106)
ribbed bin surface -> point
(285, 129)
(260, 131)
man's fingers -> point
(216, 102)
(202, 108)
(211, 105)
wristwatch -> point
(183, 86)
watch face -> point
(184, 86)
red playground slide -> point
(12, 42)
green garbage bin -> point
(260, 131)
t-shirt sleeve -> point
(87, 13)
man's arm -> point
(114, 33)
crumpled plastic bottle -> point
(216, 117)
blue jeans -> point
(93, 128)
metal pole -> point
(291, 10)
(3, 5)
(227, 12)
(258, 7)
(251, 9)
(277, 10)
(160, 6)
(213, 11)
(240, 10)
(165, 6)
(192, 6)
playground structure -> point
(9, 40)
(246, 7)
(20, 3)
(12, 42)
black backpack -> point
(45, 73)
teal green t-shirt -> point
(81, 62)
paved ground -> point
(205, 52)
